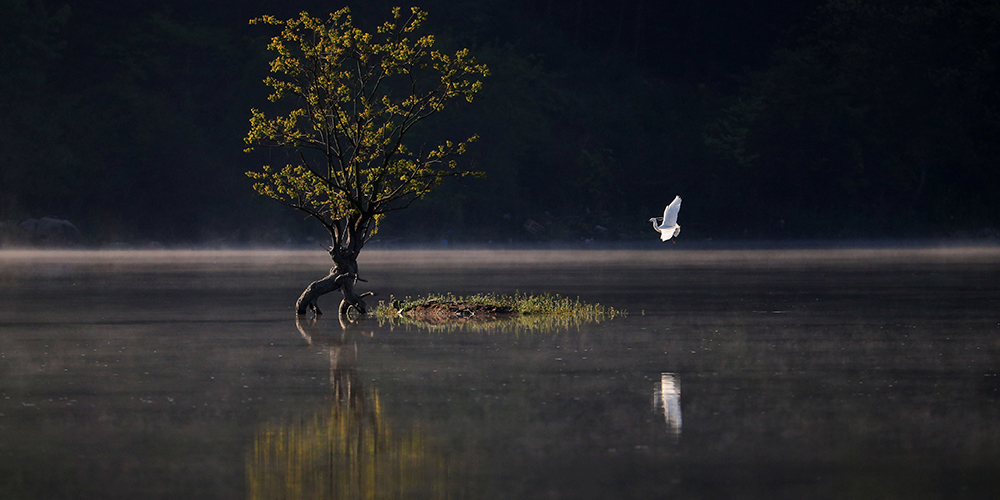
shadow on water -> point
(852, 373)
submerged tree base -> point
(494, 312)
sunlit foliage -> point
(356, 97)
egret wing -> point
(670, 213)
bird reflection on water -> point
(667, 398)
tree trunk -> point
(343, 275)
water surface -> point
(736, 374)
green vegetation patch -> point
(493, 312)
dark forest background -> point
(772, 119)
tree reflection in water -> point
(667, 398)
(349, 449)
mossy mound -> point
(493, 311)
(441, 312)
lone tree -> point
(356, 96)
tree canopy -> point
(357, 95)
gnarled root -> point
(352, 301)
(307, 301)
(334, 281)
(357, 303)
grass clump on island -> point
(488, 311)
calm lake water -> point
(736, 374)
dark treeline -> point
(828, 119)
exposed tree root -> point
(342, 277)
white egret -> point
(667, 225)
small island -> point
(488, 311)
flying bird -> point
(667, 225)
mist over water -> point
(806, 373)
